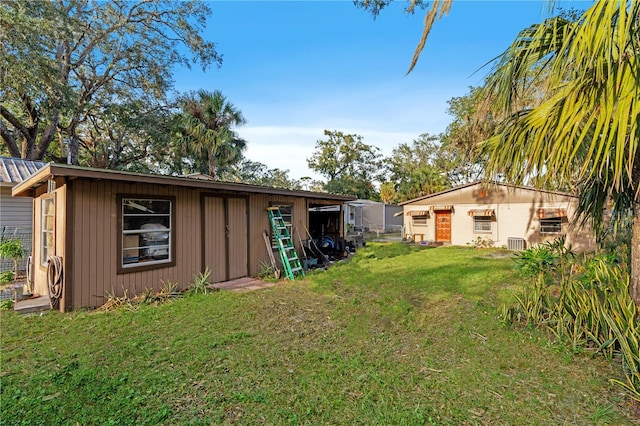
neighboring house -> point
(115, 232)
(16, 214)
(516, 217)
(374, 215)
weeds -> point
(200, 283)
(116, 302)
(266, 271)
(6, 304)
(481, 242)
(586, 304)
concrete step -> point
(34, 304)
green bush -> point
(6, 277)
(586, 304)
(14, 250)
(200, 283)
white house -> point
(501, 215)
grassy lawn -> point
(398, 335)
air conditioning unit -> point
(514, 243)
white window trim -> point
(484, 221)
(46, 251)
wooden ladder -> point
(288, 256)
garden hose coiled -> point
(29, 272)
(54, 280)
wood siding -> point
(259, 222)
(225, 237)
(220, 230)
(214, 251)
(237, 233)
(95, 259)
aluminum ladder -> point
(288, 256)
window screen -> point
(147, 231)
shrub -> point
(586, 304)
(6, 277)
(14, 250)
(200, 283)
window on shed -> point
(482, 223)
(286, 210)
(47, 239)
(551, 225)
(147, 230)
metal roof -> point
(15, 170)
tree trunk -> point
(635, 255)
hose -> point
(30, 273)
(54, 280)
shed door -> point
(237, 255)
(225, 238)
(215, 257)
(443, 226)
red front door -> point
(443, 226)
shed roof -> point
(52, 170)
(15, 170)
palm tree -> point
(586, 129)
(204, 132)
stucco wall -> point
(516, 215)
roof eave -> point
(55, 170)
(529, 188)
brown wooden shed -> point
(115, 232)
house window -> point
(482, 223)
(47, 240)
(147, 232)
(552, 225)
(419, 220)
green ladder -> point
(288, 256)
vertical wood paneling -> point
(93, 255)
(189, 237)
(87, 287)
(214, 234)
(102, 243)
(237, 237)
(259, 222)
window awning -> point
(417, 213)
(551, 213)
(482, 212)
(398, 214)
(444, 207)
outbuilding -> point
(496, 214)
(15, 213)
(114, 232)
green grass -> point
(399, 335)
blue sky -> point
(295, 68)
